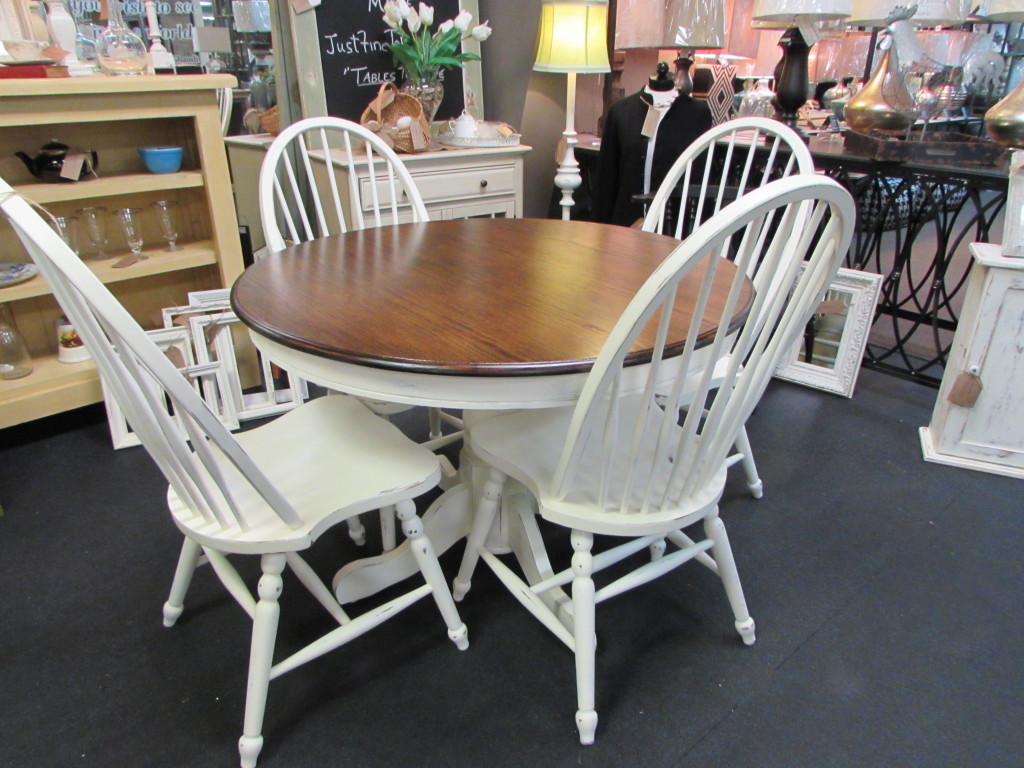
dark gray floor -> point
(887, 592)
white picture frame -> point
(211, 335)
(836, 337)
(206, 378)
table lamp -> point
(680, 24)
(572, 38)
(798, 17)
(1005, 124)
(929, 13)
(741, 45)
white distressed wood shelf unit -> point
(454, 183)
(988, 436)
(115, 116)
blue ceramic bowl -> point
(161, 159)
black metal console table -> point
(915, 223)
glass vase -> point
(429, 93)
(120, 51)
(14, 359)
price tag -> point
(419, 141)
(650, 123)
(966, 389)
(72, 165)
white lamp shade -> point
(669, 24)
(1005, 10)
(741, 39)
(791, 10)
(872, 13)
(573, 37)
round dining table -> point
(479, 314)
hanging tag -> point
(808, 29)
(127, 261)
(72, 166)
(301, 6)
(650, 123)
(174, 355)
(416, 133)
(966, 389)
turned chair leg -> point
(482, 522)
(187, 561)
(583, 609)
(714, 528)
(387, 527)
(261, 654)
(426, 558)
(749, 467)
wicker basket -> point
(270, 120)
(386, 111)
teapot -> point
(465, 126)
(48, 164)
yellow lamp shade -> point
(573, 37)
(872, 13)
(792, 10)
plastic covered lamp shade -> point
(872, 13)
(1005, 10)
(573, 37)
(785, 11)
(670, 24)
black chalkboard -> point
(356, 60)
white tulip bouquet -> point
(423, 53)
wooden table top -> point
(486, 297)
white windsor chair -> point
(618, 463)
(225, 102)
(271, 491)
(295, 170)
(724, 164)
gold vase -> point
(869, 109)
(1005, 121)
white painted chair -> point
(299, 201)
(271, 491)
(619, 464)
(724, 164)
(225, 101)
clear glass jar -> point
(14, 359)
(758, 101)
(119, 50)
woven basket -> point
(270, 120)
(386, 111)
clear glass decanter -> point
(14, 359)
(119, 50)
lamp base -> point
(791, 81)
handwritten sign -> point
(355, 57)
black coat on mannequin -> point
(620, 169)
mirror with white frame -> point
(828, 355)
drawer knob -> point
(483, 183)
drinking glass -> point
(67, 228)
(130, 220)
(165, 211)
(95, 219)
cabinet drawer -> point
(449, 185)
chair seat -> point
(329, 458)
(526, 445)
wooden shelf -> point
(127, 184)
(52, 387)
(114, 116)
(158, 262)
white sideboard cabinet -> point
(454, 183)
(988, 435)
